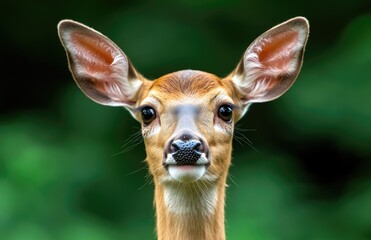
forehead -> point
(187, 85)
(188, 82)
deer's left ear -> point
(272, 62)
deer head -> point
(187, 117)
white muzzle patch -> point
(186, 173)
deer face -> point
(187, 123)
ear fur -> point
(272, 62)
(99, 67)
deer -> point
(187, 117)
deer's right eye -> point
(148, 115)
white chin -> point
(186, 173)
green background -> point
(71, 169)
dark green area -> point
(73, 170)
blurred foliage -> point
(73, 170)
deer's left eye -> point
(225, 112)
(148, 115)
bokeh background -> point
(73, 170)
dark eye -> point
(148, 115)
(225, 112)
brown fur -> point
(187, 82)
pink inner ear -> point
(94, 55)
(95, 61)
(277, 52)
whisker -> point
(133, 138)
(147, 180)
(243, 137)
(135, 171)
(133, 141)
(240, 129)
(237, 139)
(230, 176)
(240, 137)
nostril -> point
(185, 145)
(196, 145)
(174, 147)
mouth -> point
(186, 173)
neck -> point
(188, 211)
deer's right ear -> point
(99, 67)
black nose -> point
(186, 152)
